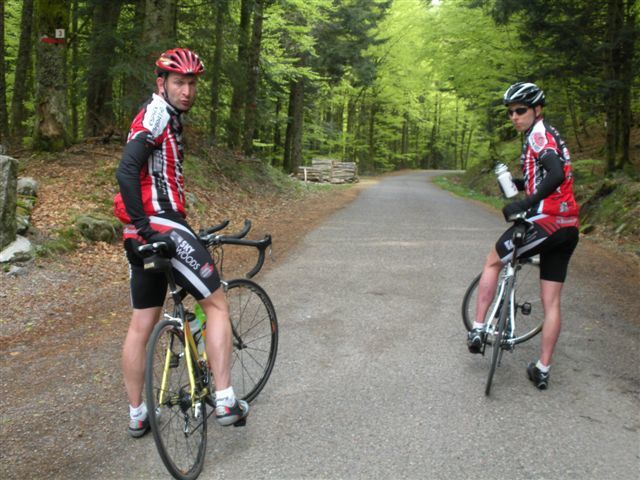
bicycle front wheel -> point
(529, 311)
(255, 337)
(495, 336)
(178, 424)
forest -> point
(387, 84)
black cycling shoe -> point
(475, 339)
(540, 379)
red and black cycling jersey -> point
(150, 172)
(542, 139)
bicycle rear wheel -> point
(179, 426)
(255, 337)
(529, 311)
(495, 335)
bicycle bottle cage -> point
(156, 263)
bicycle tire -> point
(497, 335)
(527, 294)
(179, 428)
(255, 337)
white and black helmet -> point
(526, 93)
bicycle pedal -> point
(240, 423)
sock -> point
(225, 397)
(542, 368)
(477, 325)
(139, 412)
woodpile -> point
(328, 170)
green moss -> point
(63, 240)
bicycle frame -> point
(508, 279)
(190, 347)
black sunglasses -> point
(519, 111)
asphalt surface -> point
(373, 378)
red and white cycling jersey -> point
(161, 178)
(540, 139)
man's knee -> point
(215, 302)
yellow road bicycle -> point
(178, 384)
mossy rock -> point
(98, 228)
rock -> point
(22, 224)
(8, 175)
(27, 186)
(20, 250)
(97, 228)
(16, 271)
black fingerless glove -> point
(166, 238)
(513, 208)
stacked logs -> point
(328, 170)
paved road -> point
(373, 379)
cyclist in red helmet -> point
(553, 212)
(151, 204)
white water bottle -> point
(506, 182)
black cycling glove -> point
(166, 238)
(515, 207)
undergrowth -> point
(609, 205)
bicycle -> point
(178, 384)
(517, 298)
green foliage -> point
(388, 84)
(63, 240)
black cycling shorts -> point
(548, 236)
(193, 267)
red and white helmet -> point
(179, 60)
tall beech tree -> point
(22, 71)
(51, 17)
(99, 116)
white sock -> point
(477, 325)
(225, 397)
(542, 368)
(139, 412)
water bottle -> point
(197, 325)
(506, 182)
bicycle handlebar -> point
(214, 229)
(210, 238)
(520, 217)
(155, 247)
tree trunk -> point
(277, 135)
(216, 71)
(253, 77)
(612, 78)
(293, 142)
(298, 124)
(51, 89)
(134, 88)
(99, 116)
(627, 79)
(371, 140)
(74, 100)
(466, 153)
(238, 76)
(4, 120)
(160, 26)
(23, 66)
(574, 118)
(286, 156)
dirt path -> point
(62, 325)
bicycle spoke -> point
(255, 337)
